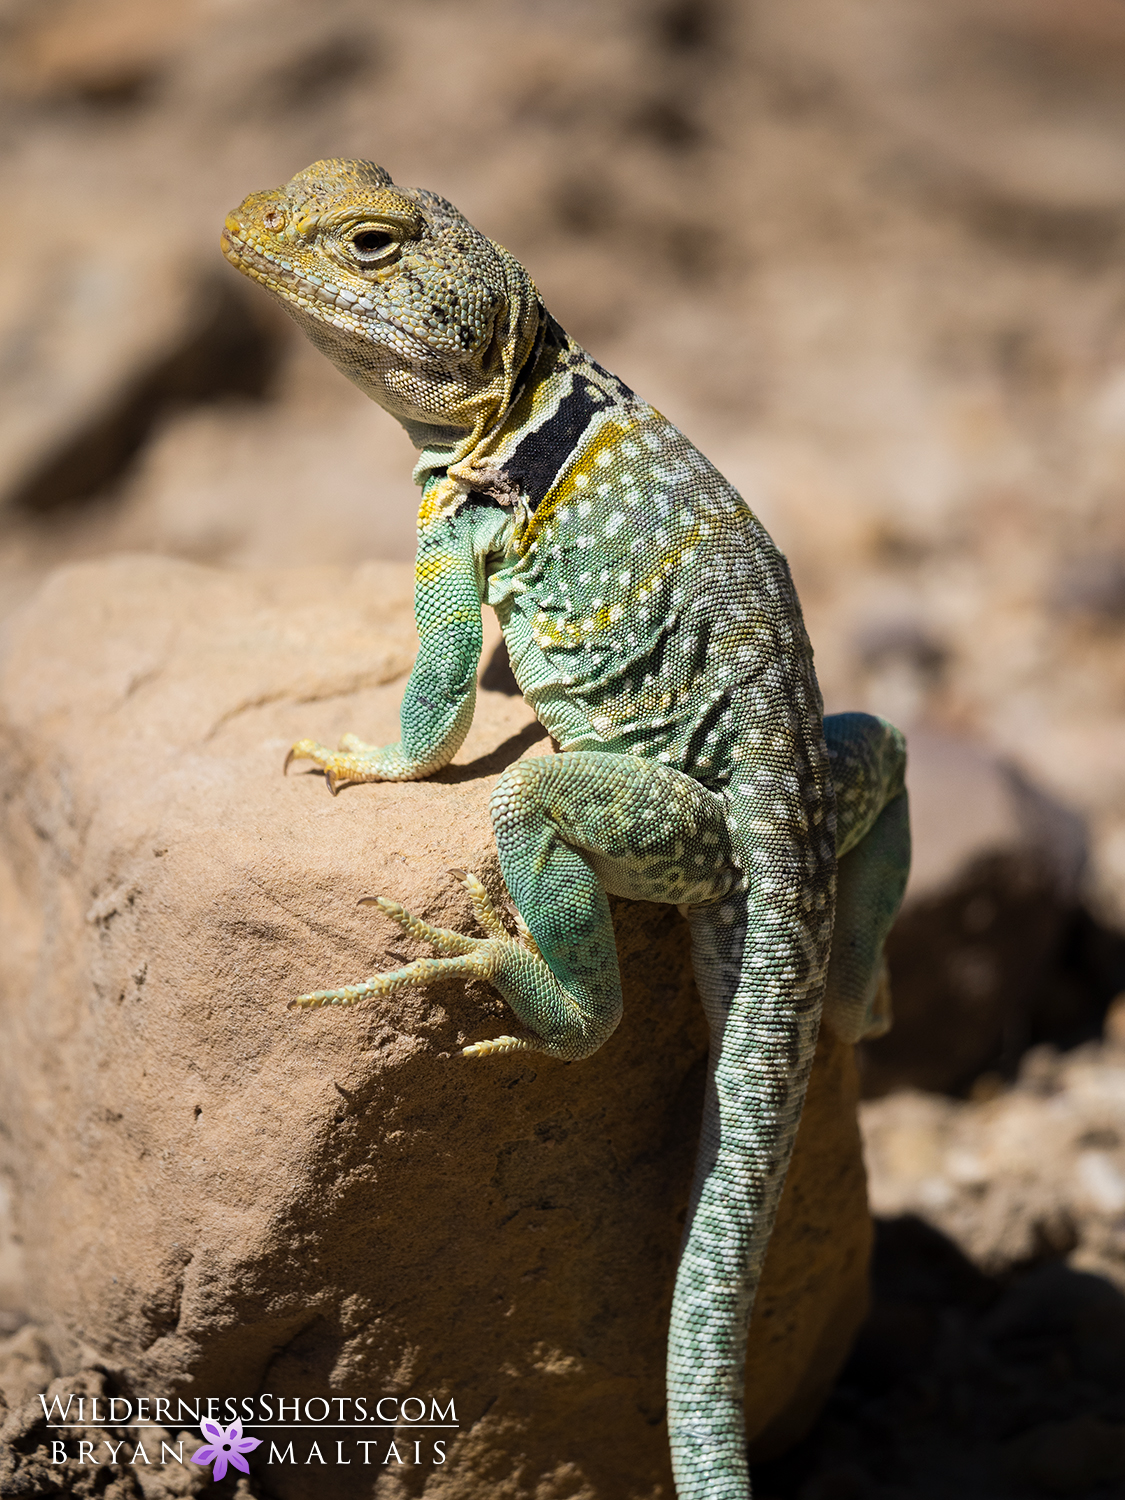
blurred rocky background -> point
(870, 255)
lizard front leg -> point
(437, 706)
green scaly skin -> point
(653, 626)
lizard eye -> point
(369, 244)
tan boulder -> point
(219, 1197)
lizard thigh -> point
(868, 760)
(572, 826)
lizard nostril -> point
(274, 219)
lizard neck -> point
(547, 377)
(444, 448)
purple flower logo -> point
(226, 1447)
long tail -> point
(761, 961)
(761, 989)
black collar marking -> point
(538, 458)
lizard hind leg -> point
(569, 828)
(868, 760)
(512, 963)
(468, 956)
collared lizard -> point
(654, 628)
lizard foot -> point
(352, 762)
(357, 761)
(475, 958)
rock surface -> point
(216, 1196)
(1038, 1170)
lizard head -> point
(416, 307)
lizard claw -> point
(473, 957)
(354, 762)
(322, 758)
(303, 750)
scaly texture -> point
(654, 628)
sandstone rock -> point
(138, 1473)
(216, 1196)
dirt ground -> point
(868, 255)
